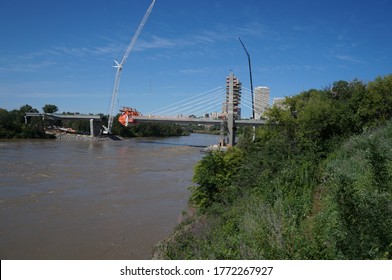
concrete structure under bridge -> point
(95, 120)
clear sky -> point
(61, 52)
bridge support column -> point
(92, 134)
(230, 112)
(222, 133)
(94, 127)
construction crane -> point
(119, 66)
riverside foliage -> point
(148, 130)
(316, 183)
(12, 124)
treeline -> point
(316, 183)
(13, 125)
(148, 130)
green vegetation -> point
(316, 183)
(12, 124)
(50, 108)
(148, 130)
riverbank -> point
(311, 187)
(85, 138)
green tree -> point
(12, 124)
(5, 124)
(27, 108)
(214, 177)
(375, 106)
(49, 109)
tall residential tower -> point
(261, 101)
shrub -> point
(214, 176)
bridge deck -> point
(65, 117)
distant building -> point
(261, 97)
(278, 102)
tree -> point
(213, 177)
(376, 104)
(49, 109)
(27, 108)
(12, 124)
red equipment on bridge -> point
(127, 115)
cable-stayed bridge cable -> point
(187, 105)
(209, 102)
(191, 102)
(212, 91)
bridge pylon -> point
(233, 99)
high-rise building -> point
(261, 97)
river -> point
(93, 200)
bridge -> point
(188, 111)
(95, 120)
(228, 118)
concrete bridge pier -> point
(222, 134)
(95, 128)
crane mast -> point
(119, 66)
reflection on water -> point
(98, 200)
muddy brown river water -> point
(93, 200)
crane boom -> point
(119, 66)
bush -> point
(358, 197)
(214, 176)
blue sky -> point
(61, 52)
